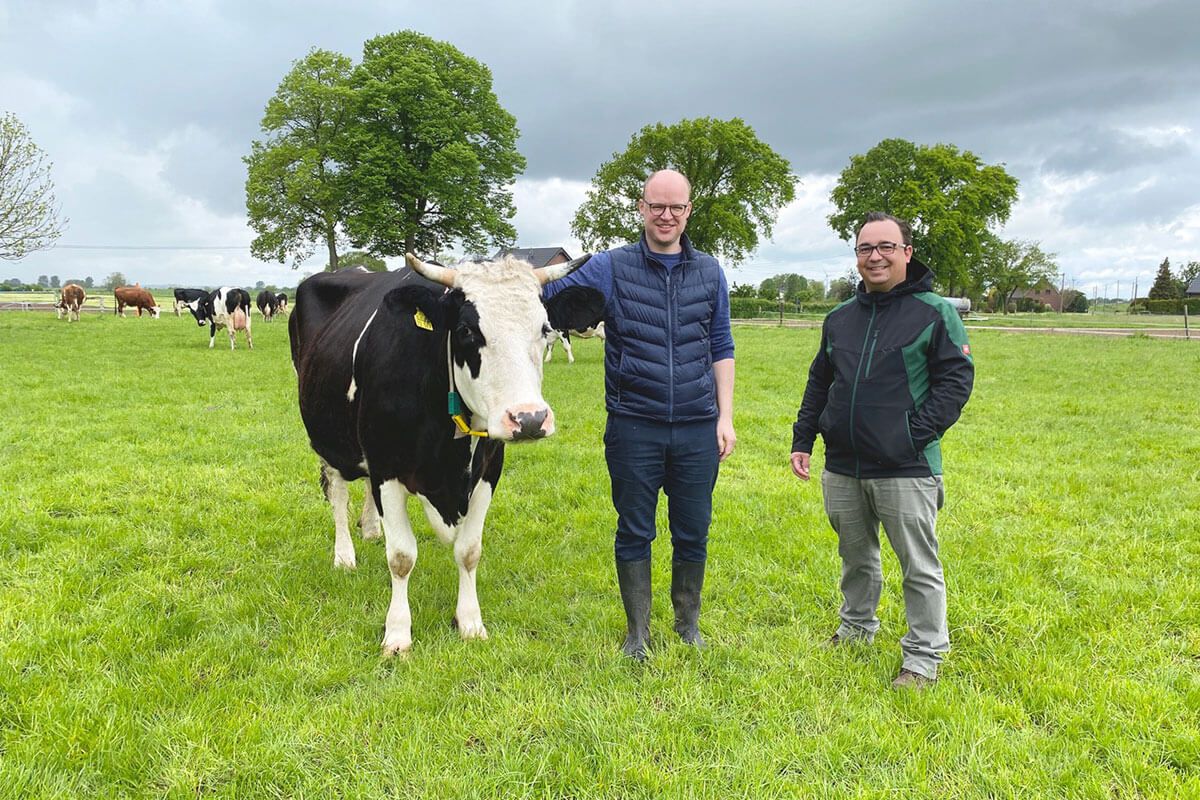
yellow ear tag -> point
(422, 320)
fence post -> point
(1187, 334)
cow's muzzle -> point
(533, 424)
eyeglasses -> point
(657, 209)
(884, 248)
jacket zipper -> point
(871, 355)
(670, 351)
(854, 394)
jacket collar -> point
(689, 252)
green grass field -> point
(171, 624)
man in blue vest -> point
(668, 380)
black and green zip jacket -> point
(892, 375)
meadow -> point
(171, 624)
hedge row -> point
(757, 307)
(1167, 306)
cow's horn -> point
(434, 273)
(556, 271)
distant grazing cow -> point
(70, 300)
(281, 301)
(596, 330)
(185, 296)
(134, 296)
(227, 308)
(268, 304)
(376, 355)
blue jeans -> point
(682, 460)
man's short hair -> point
(879, 216)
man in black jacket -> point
(893, 373)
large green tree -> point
(1189, 273)
(950, 197)
(738, 186)
(433, 154)
(29, 215)
(295, 189)
(1011, 265)
(1166, 285)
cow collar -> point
(454, 402)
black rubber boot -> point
(687, 579)
(634, 579)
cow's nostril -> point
(529, 424)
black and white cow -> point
(227, 308)
(185, 296)
(596, 330)
(376, 354)
(281, 303)
(268, 304)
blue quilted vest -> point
(657, 358)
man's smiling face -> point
(882, 273)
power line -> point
(150, 247)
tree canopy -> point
(738, 186)
(1166, 285)
(432, 154)
(950, 198)
(408, 151)
(29, 216)
(295, 187)
(1013, 265)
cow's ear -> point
(575, 308)
(438, 308)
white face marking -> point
(513, 322)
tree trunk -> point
(331, 241)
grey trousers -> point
(908, 508)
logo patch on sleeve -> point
(966, 349)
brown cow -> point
(134, 296)
(70, 300)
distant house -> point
(536, 256)
(1193, 289)
(1043, 293)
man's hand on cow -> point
(726, 438)
(800, 465)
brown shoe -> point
(907, 679)
(837, 640)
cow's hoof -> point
(344, 561)
(470, 629)
(396, 646)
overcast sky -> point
(147, 108)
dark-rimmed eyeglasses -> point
(658, 209)
(884, 248)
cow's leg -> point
(401, 548)
(549, 351)
(566, 339)
(176, 306)
(232, 335)
(337, 492)
(212, 334)
(249, 338)
(368, 521)
(468, 547)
